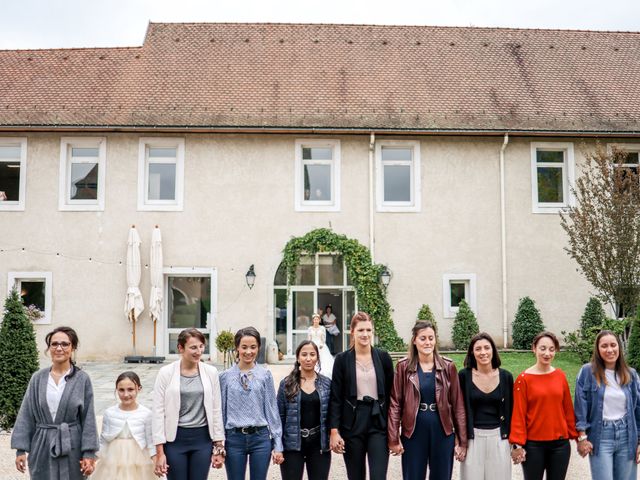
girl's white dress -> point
(121, 457)
(318, 335)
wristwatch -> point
(582, 437)
(515, 446)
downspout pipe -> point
(503, 244)
(372, 240)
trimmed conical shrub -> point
(593, 316)
(425, 314)
(465, 326)
(18, 358)
(526, 325)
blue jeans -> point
(256, 446)
(613, 461)
(189, 456)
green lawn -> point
(568, 362)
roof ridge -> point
(67, 49)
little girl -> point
(126, 446)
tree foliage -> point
(593, 315)
(363, 273)
(465, 326)
(425, 314)
(18, 358)
(633, 353)
(526, 325)
(603, 228)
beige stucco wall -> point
(239, 210)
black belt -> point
(428, 406)
(309, 432)
(249, 430)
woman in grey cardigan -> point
(56, 425)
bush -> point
(465, 326)
(593, 315)
(18, 358)
(225, 344)
(526, 325)
(633, 354)
(425, 314)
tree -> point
(465, 326)
(603, 228)
(593, 315)
(18, 358)
(633, 355)
(527, 324)
(425, 314)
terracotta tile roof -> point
(333, 76)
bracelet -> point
(219, 450)
(582, 438)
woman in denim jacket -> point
(303, 402)
(607, 411)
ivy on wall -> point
(363, 274)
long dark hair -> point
(246, 332)
(597, 363)
(292, 381)
(470, 359)
(73, 338)
(413, 350)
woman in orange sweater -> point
(543, 421)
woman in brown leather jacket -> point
(427, 404)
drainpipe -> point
(503, 245)
(372, 145)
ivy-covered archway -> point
(364, 277)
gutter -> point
(503, 245)
(372, 239)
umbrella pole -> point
(133, 321)
(154, 337)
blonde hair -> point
(355, 320)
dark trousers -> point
(367, 440)
(551, 457)
(428, 446)
(189, 455)
(317, 462)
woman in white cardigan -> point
(187, 418)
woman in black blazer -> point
(360, 391)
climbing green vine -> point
(363, 274)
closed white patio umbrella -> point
(133, 303)
(157, 282)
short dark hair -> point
(246, 332)
(550, 336)
(187, 333)
(129, 375)
(470, 359)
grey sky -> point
(95, 23)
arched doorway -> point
(321, 280)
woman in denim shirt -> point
(608, 411)
(303, 401)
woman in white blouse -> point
(318, 335)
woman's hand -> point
(161, 468)
(585, 447)
(460, 453)
(638, 454)
(518, 455)
(396, 449)
(217, 461)
(277, 457)
(336, 443)
(87, 466)
(21, 463)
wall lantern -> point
(250, 277)
(385, 277)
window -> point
(317, 170)
(35, 290)
(161, 174)
(455, 288)
(398, 176)
(552, 174)
(13, 173)
(82, 173)
(632, 160)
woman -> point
(608, 411)
(360, 391)
(303, 402)
(330, 323)
(318, 335)
(427, 405)
(187, 415)
(56, 425)
(543, 421)
(251, 418)
(488, 398)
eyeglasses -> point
(63, 345)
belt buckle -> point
(424, 407)
(432, 407)
(304, 432)
(246, 430)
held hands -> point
(21, 463)
(585, 448)
(638, 454)
(87, 466)
(518, 455)
(460, 453)
(277, 458)
(336, 443)
(217, 461)
(396, 449)
(161, 467)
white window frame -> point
(413, 205)
(568, 175)
(302, 205)
(144, 204)
(626, 147)
(20, 204)
(65, 203)
(13, 279)
(469, 280)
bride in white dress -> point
(318, 335)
